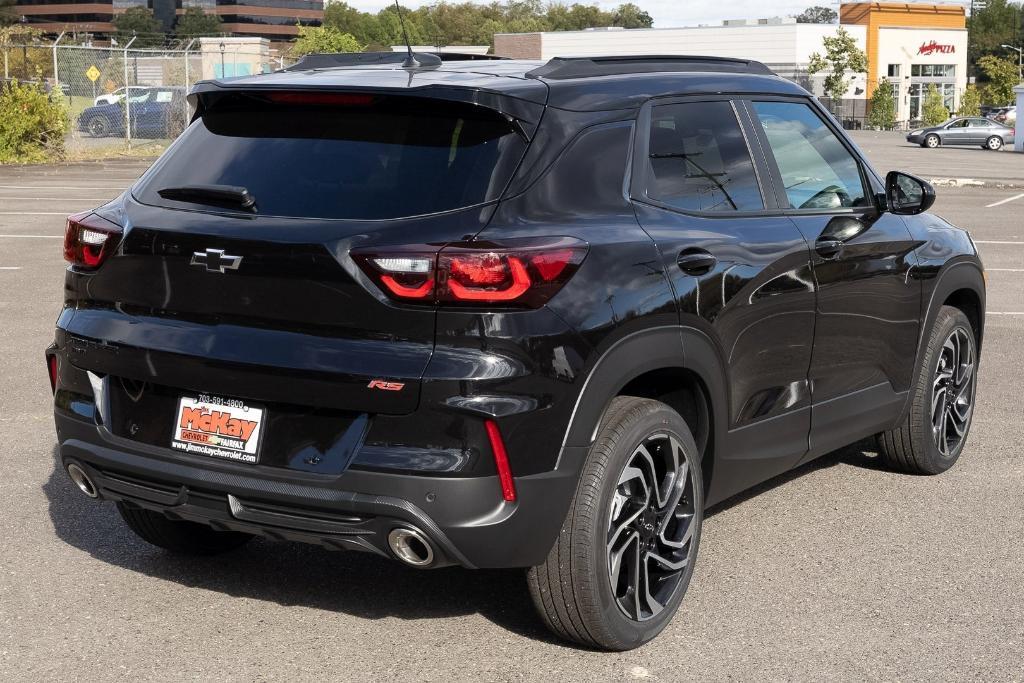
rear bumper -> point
(466, 518)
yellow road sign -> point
(92, 73)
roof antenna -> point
(410, 61)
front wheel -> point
(932, 436)
(994, 143)
(931, 141)
(98, 127)
(624, 557)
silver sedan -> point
(972, 130)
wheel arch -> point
(680, 366)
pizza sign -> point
(935, 48)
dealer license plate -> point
(218, 427)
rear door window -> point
(698, 159)
(817, 170)
(344, 156)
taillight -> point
(89, 240)
(523, 273)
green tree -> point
(32, 126)
(933, 110)
(631, 16)
(883, 107)
(138, 22)
(970, 101)
(997, 24)
(323, 39)
(841, 56)
(1000, 75)
(817, 15)
(195, 23)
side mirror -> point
(907, 195)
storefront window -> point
(933, 70)
(918, 91)
(894, 71)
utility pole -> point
(1020, 61)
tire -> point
(98, 127)
(574, 589)
(917, 446)
(931, 141)
(994, 143)
(184, 538)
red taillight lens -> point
(508, 485)
(51, 364)
(89, 240)
(523, 273)
(321, 98)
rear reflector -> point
(51, 364)
(89, 240)
(521, 273)
(508, 486)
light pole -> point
(222, 74)
(1020, 60)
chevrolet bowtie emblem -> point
(215, 260)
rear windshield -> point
(345, 156)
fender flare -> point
(965, 274)
(671, 346)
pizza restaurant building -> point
(913, 46)
(910, 45)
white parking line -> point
(995, 242)
(10, 267)
(61, 187)
(42, 237)
(1004, 312)
(1005, 270)
(33, 213)
(1006, 201)
(57, 199)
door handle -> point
(696, 261)
(828, 249)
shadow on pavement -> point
(354, 583)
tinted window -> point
(345, 156)
(817, 171)
(699, 159)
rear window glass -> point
(322, 155)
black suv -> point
(505, 314)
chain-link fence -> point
(122, 97)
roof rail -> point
(341, 59)
(587, 67)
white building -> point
(910, 45)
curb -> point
(972, 182)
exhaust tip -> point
(411, 546)
(82, 481)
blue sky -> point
(671, 12)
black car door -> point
(740, 270)
(868, 304)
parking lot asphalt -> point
(839, 570)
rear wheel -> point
(994, 143)
(186, 538)
(932, 436)
(624, 557)
(931, 141)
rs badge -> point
(385, 386)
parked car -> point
(1007, 116)
(117, 95)
(154, 113)
(973, 130)
(515, 315)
